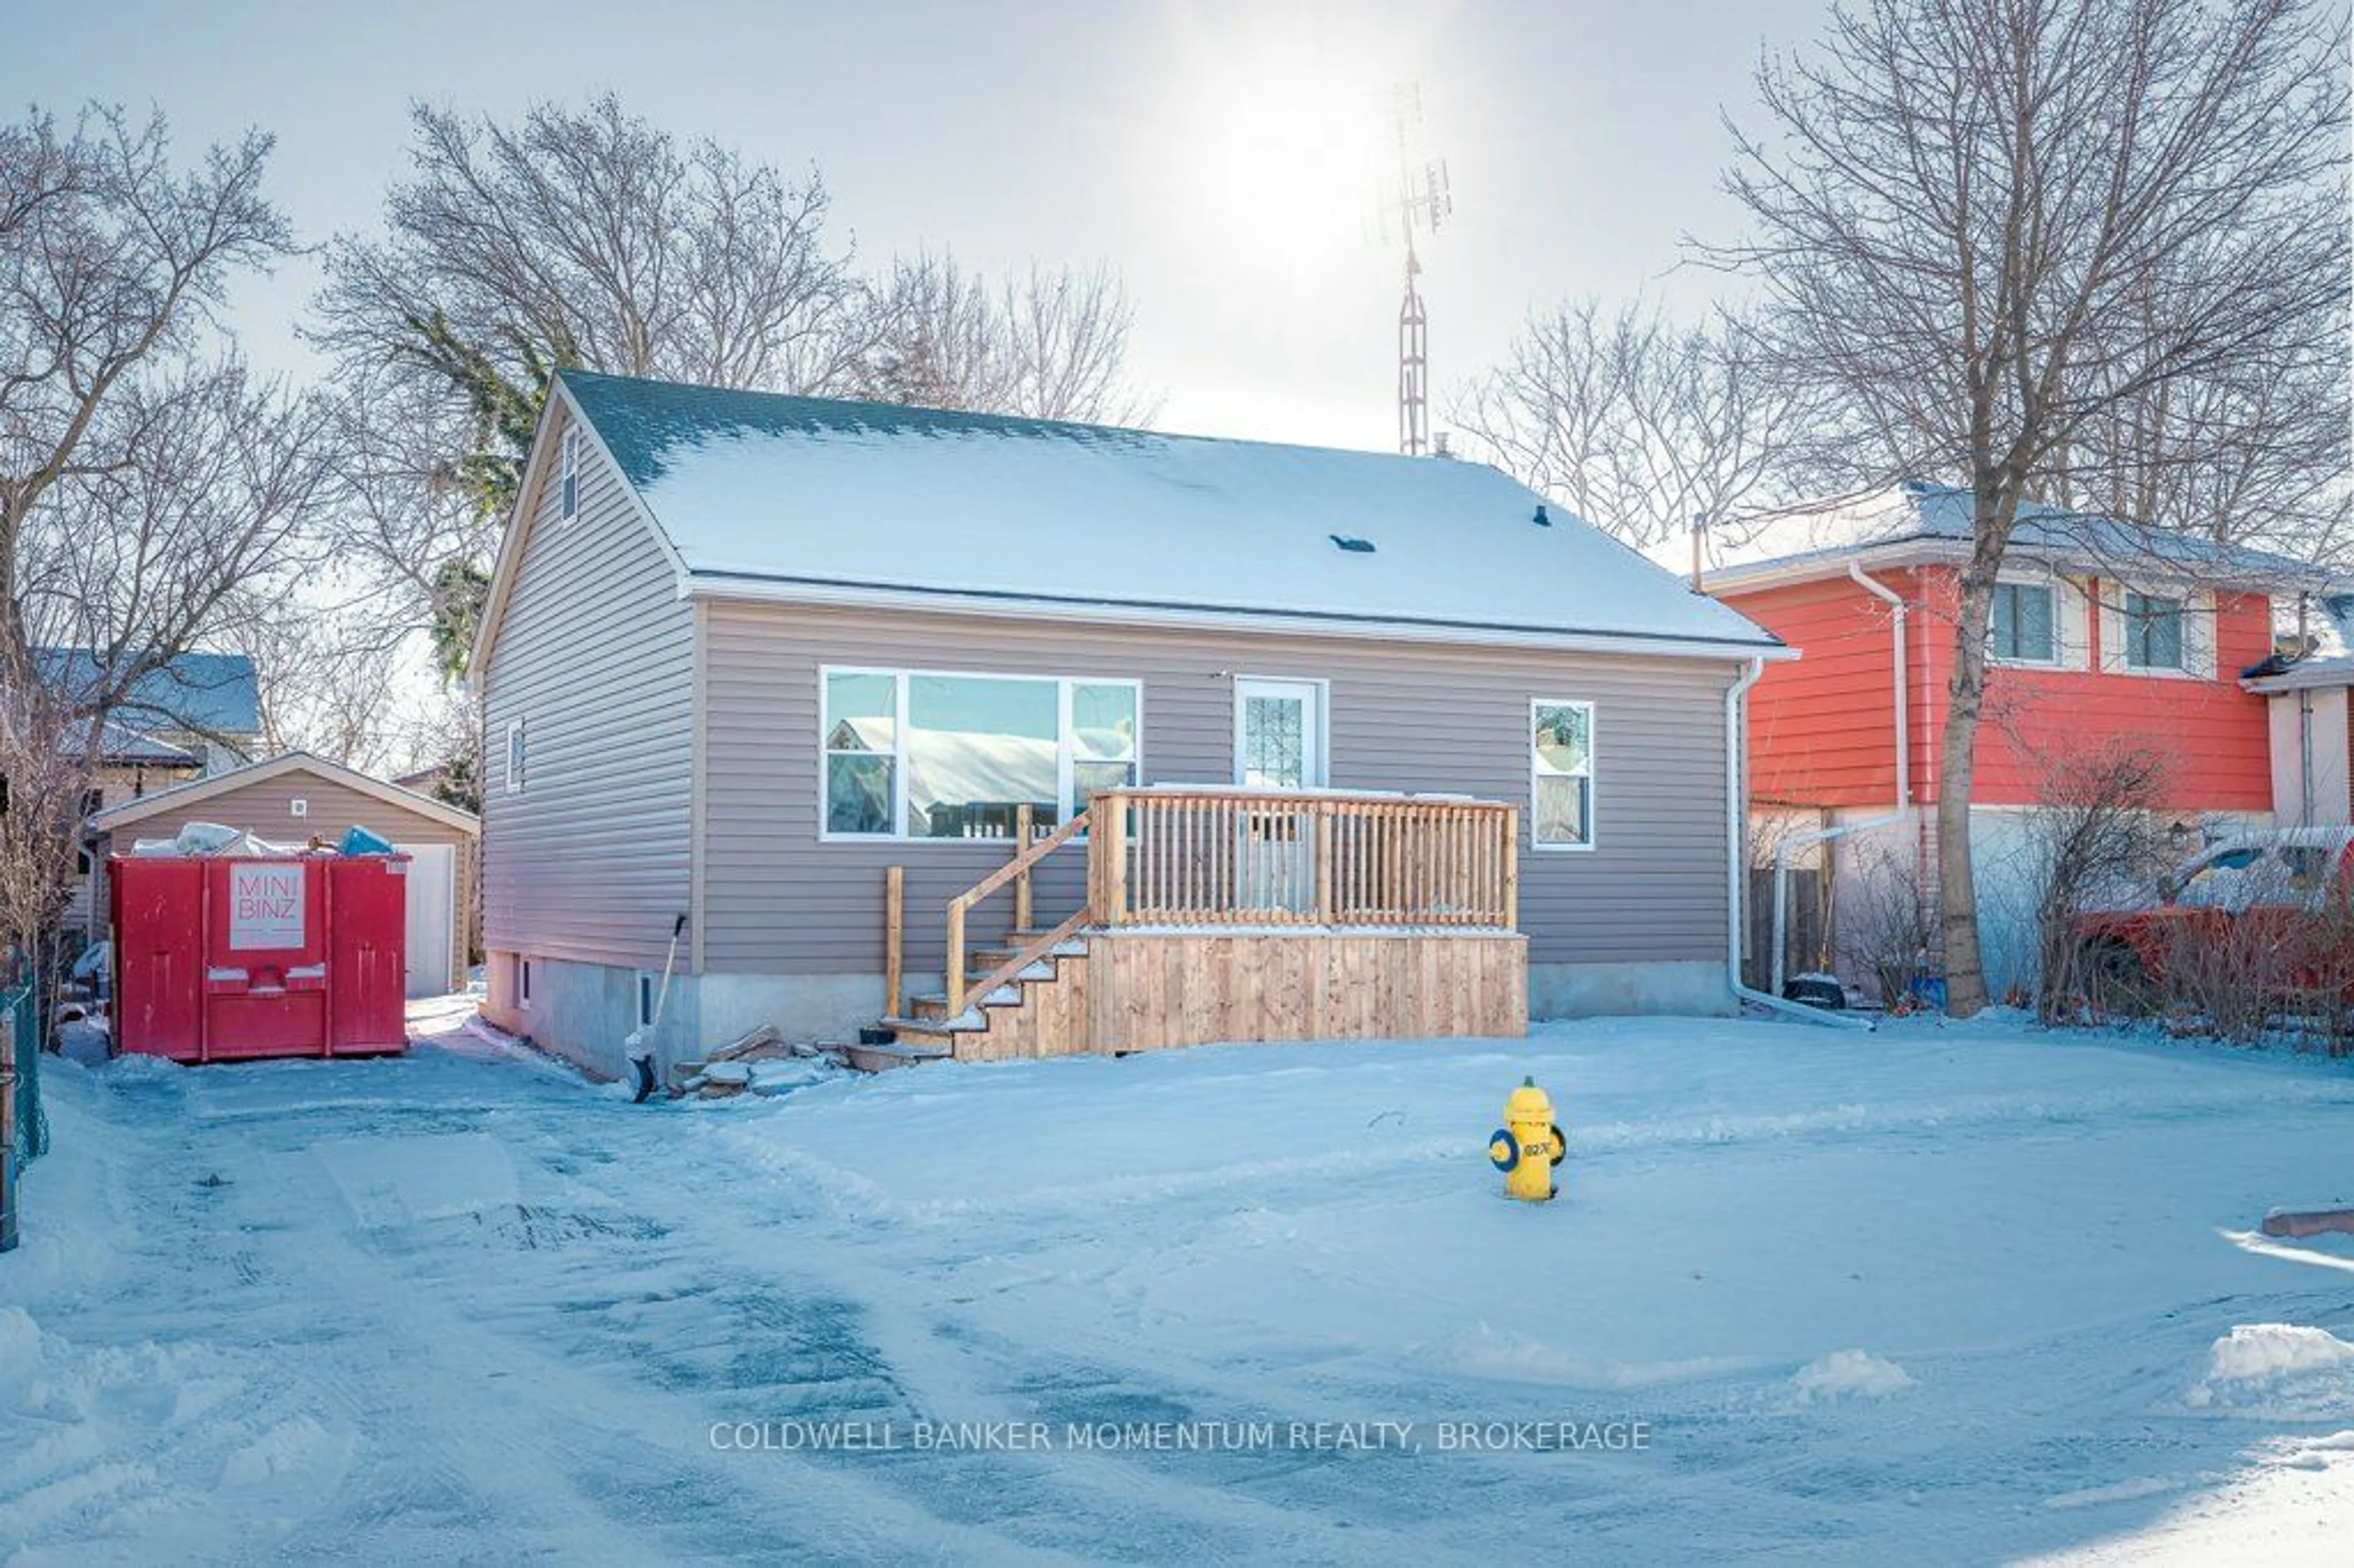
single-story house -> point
(296, 796)
(2106, 636)
(792, 679)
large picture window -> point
(1561, 786)
(2020, 628)
(921, 755)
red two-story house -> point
(2105, 636)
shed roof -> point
(187, 797)
(986, 511)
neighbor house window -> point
(2153, 632)
(567, 474)
(2022, 628)
(514, 757)
(929, 756)
(1561, 789)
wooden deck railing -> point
(1171, 856)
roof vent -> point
(1361, 546)
(1541, 520)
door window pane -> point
(977, 749)
(1275, 734)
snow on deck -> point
(1970, 1290)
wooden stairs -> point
(1041, 1010)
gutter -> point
(1737, 817)
(1904, 724)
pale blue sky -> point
(1219, 154)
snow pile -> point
(1849, 1374)
(2278, 1371)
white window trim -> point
(516, 776)
(1592, 778)
(1323, 778)
(1065, 757)
(2060, 607)
(568, 475)
(523, 983)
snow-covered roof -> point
(810, 498)
(2305, 674)
(1919, 521)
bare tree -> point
(1051, 345)
(143, 477)
(2260, 452)
(1640, 426)
(1985, 225)
(594, 238)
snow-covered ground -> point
(1936, 1294)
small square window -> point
(568, 467)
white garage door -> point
(433, 913)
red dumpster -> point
(218, 959)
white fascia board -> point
(776, 591)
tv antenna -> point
(1422, 203)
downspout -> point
(1903, 723)
(1736, 869)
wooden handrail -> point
(1024, 857)
(1023, 861)
(1021, 960)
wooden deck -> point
(1232, 915)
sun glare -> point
(1286, 136)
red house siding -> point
(1822, 730)
(1822, 726)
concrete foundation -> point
(1694, 986)
(585, 1013)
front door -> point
(1278, 734)
(1278, 746)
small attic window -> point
(567, 474)
(1355, 547)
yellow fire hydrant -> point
(1528, 1146)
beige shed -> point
(295, 797)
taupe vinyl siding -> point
(1403, 716)
(265, 809)
(595, 656)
